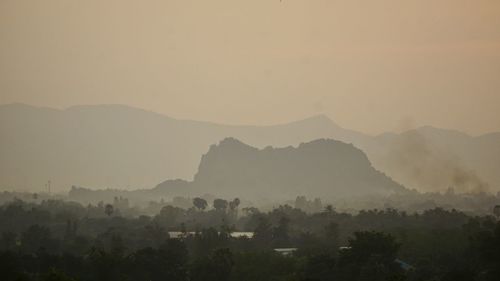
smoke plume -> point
(427, 167)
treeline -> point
(57, 240)
(147, 202)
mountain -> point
(320, 168)
(115, 146)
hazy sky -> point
(368, 65)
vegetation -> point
(59, 240)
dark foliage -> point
(62, 241)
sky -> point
(372, 66)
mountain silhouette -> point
(116, 146)
(320, 168)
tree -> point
(8, 240)
(220, 205)
(71, 228)
(234, 204)
(108, 209)
(169, 262)
(103, 265)
(157, 234)
(371, 256)
(207, 240)
(329, 209)
(233, 208)
(366, 244)
(263, 233)
(169, 216)
(117, 245)
(280, 233)
(332, 235)
(215, 267)
(489, 252)
(250, 211)
(317, 205)
(223, 259)
(56, 275)
(200, 203)
(301, 202)
(36, 237)
(320, 266)
(496, 211)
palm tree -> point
(200, 203)
(108, 209)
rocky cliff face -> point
(321, 168)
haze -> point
(368, 65)
(243, 140)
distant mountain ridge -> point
(321, 168)
(115, 146)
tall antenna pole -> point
(48, 185)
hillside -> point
(320, 168)
(114, 146)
